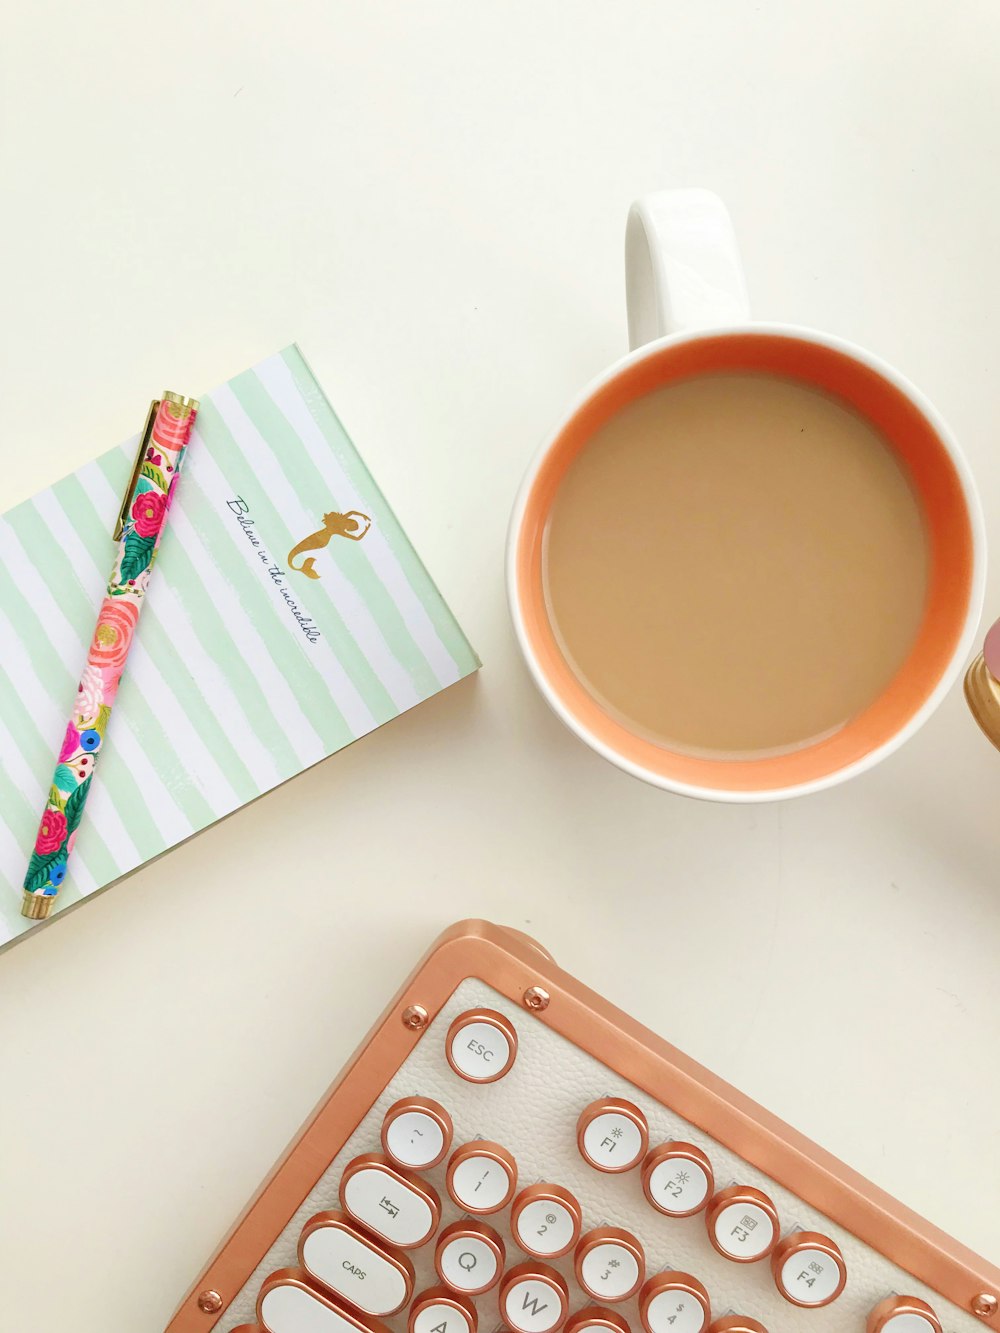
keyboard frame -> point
(512, 963)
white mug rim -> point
(946, 680)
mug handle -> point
(682, 266)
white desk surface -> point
(431, 198)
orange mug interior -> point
(949, 531)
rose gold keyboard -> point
(507, 1150)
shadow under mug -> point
(688, 315)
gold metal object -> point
(144, 438)
(37, 906)
(209, 1302)
(415, 1017)
(984, 1305)
(982, 693)
(536, 999)
(186, 405)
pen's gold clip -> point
(144, 439)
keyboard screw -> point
(984, 1305)
(415, 1017)
(536, 999)
(209, 1302)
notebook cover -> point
(249, 664)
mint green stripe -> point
(56, 568)
(21, 819)
(313, 490)
(56, 678)
(231, 459)
(90, 525)
(448, 629)
(209, 626)
(311, 691)
(54, 564)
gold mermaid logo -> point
(352, 525)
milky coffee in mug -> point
(749, 561)
(736, 564)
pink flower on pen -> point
(172, 425)
(71, 743)
(148, 510)
(112, 637)
(51, 832)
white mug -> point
(688, 314)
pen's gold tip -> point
(191, 404)
(37, 906)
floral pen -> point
(140, 525)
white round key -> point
(609, 1271)
(533, 1303)
(907, 1323)
(809, 1277)
(744, 1231)
(613, 1141)
(438, 1317)
(480, 1184)
(675, 1312)
(679, 1186)
(545, 1227)
(674, 1302)
(414, 1139)
(468, 1263)
(481, 1046)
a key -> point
(903, 1314)
(469, 1257)
(372, 1278)
(534, 1298)
(416, 1133)
(677, 1179)
(481, 1045)
(439, 1310)
(288, 1303)
(809, 1269)
(387, 1199)
(593, 1319)
(610, 1264)
(482, 1177)
(545, 1221)
(673, 1302)
(742, 1224)
(612, 1135)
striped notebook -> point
(289, 615)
